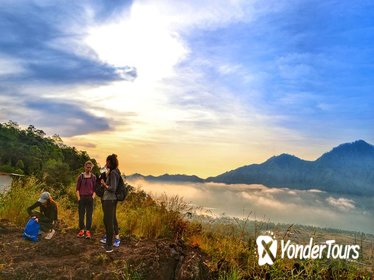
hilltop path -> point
(68, 257)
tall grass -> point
(140, 215)
(234, 254)
(145, 217)
(231, 246)
(23, 193)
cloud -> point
(178, 92)
(92, 44)
(127, 73)
(250, 78)
(72, 119)
(43, 56)
(297, 66)
(341, 203)
(45, 40)
(272, 204)
(10, 66)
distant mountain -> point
(348, 168)
(167, 178)
(283, 170)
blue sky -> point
(198, 87)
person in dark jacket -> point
(47, 217)
(85, 191)
(109, 201)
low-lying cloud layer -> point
(306, 207)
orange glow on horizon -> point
(198, 159)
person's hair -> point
(50, 201)
(113, 161)
(88, 162)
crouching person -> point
(47, 217)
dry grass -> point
(23, 193)
(231, 245)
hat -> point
(44, 197)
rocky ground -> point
(67, 257)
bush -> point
(145, 217)
(22, 194)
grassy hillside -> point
(230, 246)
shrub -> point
(22, 194)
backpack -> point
(99, 189)
(96, 188)
(31, 230)
(92, 177)
(122, 190)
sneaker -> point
(103, 240)
(88, 234)
(116, 242)
(108, 249)
(80, 233)
(50, 234)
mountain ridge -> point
(347, 168)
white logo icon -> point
(266, 249)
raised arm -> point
(32, 207)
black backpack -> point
(122, 190)
(99, 189)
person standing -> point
(85, 195)
(109, 202)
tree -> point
(28, 151)
(57, 174)
(20, 164)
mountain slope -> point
(283, 170)
(167, 178)
(348, 168)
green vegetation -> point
(30, 152)
(23, 193)
(230, 245)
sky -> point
(190, 87)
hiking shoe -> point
(108, 249)
(50, 234)
(80, 233)
(116, 242)
(88, 234)
(103, 240)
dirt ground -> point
(67, 257)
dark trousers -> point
(85, 208)
(110, 219)
(46, 224)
